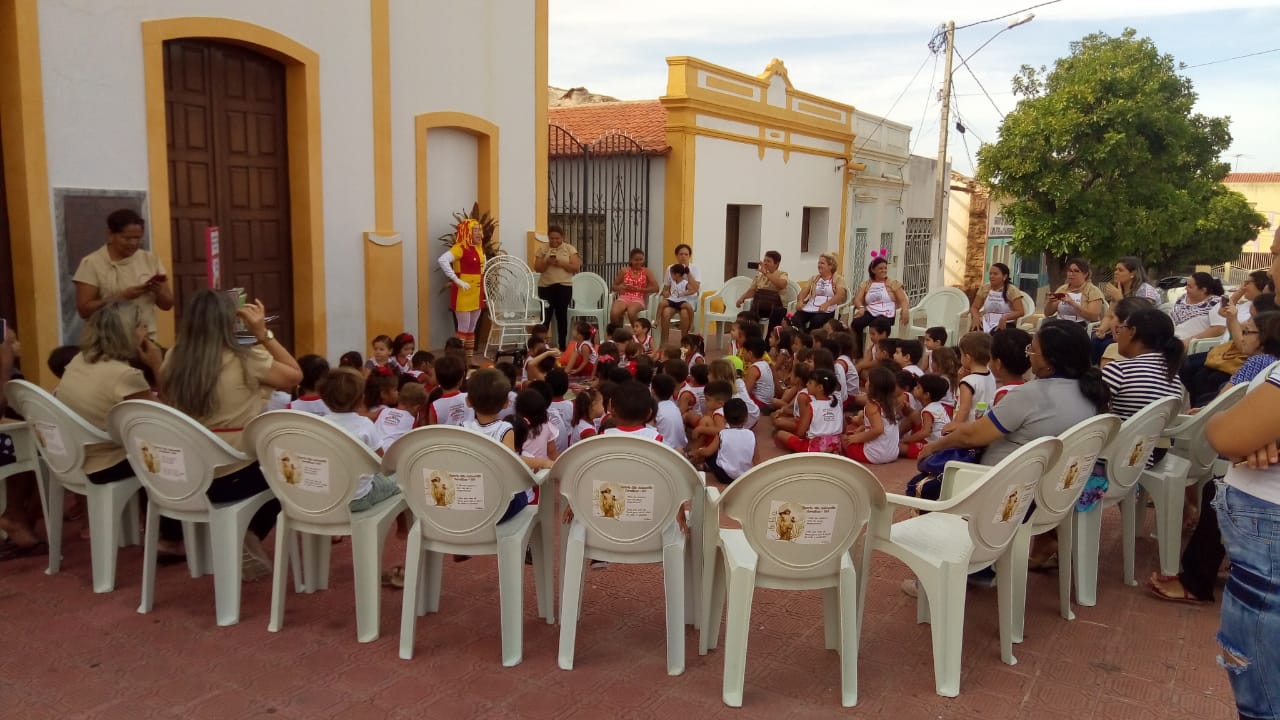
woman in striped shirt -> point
(1149, 371)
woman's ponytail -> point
(1095, 389)
(1174, 353)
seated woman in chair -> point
(633, 285)
(223, 384)
(104, 373)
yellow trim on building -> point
(26, 174)
(487, 175)
(306, 197)
(540, 127)
(383, 264)
(687, 99)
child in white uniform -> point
(668, 420)
(732, 451)
(342, 391)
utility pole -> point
(943, 177)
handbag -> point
(937, 462)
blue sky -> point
(865, 54)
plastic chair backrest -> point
(625, 490)
(1062, 485)
(731, 291)
(590, 291)
(457, 482)
(508, 286)
(173, 456)
(996, 509)
(790, 294)
(801, 513)
(312, 465)
(1128, 452)
(1200, 453)
(60, 432)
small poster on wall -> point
(213, 256)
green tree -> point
(1105, 157)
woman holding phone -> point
(1078, 299)
(122, 271)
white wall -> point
(732, 173)
(451, 175)
(442, 59)
(96, 135)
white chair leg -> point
(715, 605)
(1019, 556)
(831, 618)
(571, 595)
(1129, 534)
(296, 562)
(673, 584)
(946, 615)
(431, 580)
(1169, 499)
(152, 538)
(1006, 605)
(366, 561)
(741, 587)
(104, 536)
(543, 582)
(129, 530)
(194, 543)
(1066, 554)
(323, 545)
(280, 573)
(226, 541)
(1088, 532)
(412, 592)
(511, 598)
(53, 524)
(847, 600)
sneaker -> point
(911, 587)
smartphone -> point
(753, 266)
(158, 278)
(1059, 296)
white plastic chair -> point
(1125, 456)
(1201, 345)
(1190, 462)
(625, 493)
(26, 459)
(837, 497)
(458, 483)
(1056, 497)
(314, 468)
(62, 436)
(970, 530)
(176, 459)
(945, 307)
(511, 295)
(729, 293)
(590, 300)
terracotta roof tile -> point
(1256, 177)
(644, 121)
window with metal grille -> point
(860, 259)
(915, 262)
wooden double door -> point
(228, 162)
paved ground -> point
(75, 654)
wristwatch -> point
(270, 336)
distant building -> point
(1262, 190)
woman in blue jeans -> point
(1248, 507)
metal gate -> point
(599, 194)
(915, 264)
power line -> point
(990, 99)
(1015, 12)
(1238, 57)
(885, 117)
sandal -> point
(1043, 565)
(393, 578)
(14, 551)
(1155, 587)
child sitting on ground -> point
(1009, 360)
(487, 390)
(393, 422)
(691, 401)
(424, 369)
(877, 440)
(588, 409)
(351, 359)
(930, 389)
(947, 365)
(821, 419)
(978, 387)
(633, 407)
(758, 376)
(314, 370)
(780, 351)
(381, 357)
(670, 424)
(877, 330)
(342, 391)
(541, 360)
(560, 410)
(789, 405)
(731, 452)
(718, 392)
(381, 390)
(450, 407)
(579, 359)
(846, 369)
(535, 434)
(934, 338)
(642, 334)
(908, 356)
(729, 369)
(692, 350)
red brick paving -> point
(72, 653)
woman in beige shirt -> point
(1078, 300)
(223, 385)
(121, 270)
(558, 261)
(105, 372)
